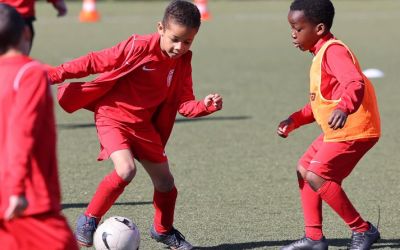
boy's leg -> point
(333, 194)
(311, 202)
(113, 184)
(115, 145)
(165, 194)
(312, 210)
(312, 207)
(333, 163)
(108, 191)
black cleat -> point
(173, 239)
(85, 228)
(364, 241)
(307, 244)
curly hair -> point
(182, 12)
(316, 11)
(11, 27)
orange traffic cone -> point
(89, 12)
(202, 6)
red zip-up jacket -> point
(24, 7)
(340, 79)
(118, 62)
(28, 163)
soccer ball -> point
(117, 233)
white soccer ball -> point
(117, 233)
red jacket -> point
(28, 163)
(119, 61)
(25, 7)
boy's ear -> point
(160, 28)
(321, 29)
(25, 42)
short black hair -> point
(316, 11)
(183, 13)
(11, 27)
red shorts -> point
(335, 160)
(144, 142)
(47, 231)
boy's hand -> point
(338, 119)
(285, 127)
(17, 205)
(214, 100)
(61, 7)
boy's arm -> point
(92, 63)
(303, 116)
(189, 107)
(30, 104)
(339, 63)
(60, 6)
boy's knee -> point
(301, 172)
(126, 171)
(165, 184)
(314, 180)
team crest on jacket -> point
(169, 77)
(312, 96)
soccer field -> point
(236, 178)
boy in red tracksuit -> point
(147, 79)
(30, 217)
(343, 103)
(27, 10)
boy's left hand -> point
(338, 119)
(61, 7)
(17, 205)
(214, 100)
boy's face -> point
(305, 34)
(175, 39)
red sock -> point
(164, 204)
(333, 194)
(108, 191)
(312, 210)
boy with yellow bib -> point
(343, 103)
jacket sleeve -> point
(339, 63)
(93, 63)
(188, 106)
(303, 116)
(30, 104)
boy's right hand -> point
(16, 206)
(61, 7)
(285, 127)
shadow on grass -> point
(83, 205)
(178, 120)
(341, 243)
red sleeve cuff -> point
(210, 108)
(342, 107)
(52, 73)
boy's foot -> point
(364, 241)
(85, 227)
(173, 239)
(307, 244)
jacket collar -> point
(314, 50)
